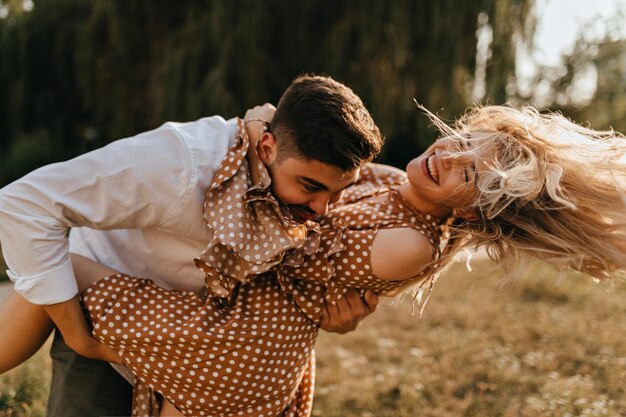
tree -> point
(593, 60)
(90, 72)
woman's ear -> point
(467, 214)
(267, 148)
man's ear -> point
(267, 148)
(467, 214)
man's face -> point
(305, 186)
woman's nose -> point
(446, 160)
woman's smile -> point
(430, 168)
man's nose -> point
(320, 205)
(336, 197)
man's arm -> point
(71, 322)
(75, 331)
(133, 183)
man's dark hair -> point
(321, 119)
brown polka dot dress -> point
(246, 348)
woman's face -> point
(439, 182)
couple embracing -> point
(208, 254)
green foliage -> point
(607, 109)
(90, 72)
(601, 58)
(27, 153)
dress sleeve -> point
(379, 175)
(342, 262)
(137, 182)
(373, 177)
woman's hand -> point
(262, 114)
(257, 120)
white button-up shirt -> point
(134, 205)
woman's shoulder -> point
(400, 253)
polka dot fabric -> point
(328, 274)
(252, 358)
(251, 232)
(252, 355)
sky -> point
(559, 24)
(560, 21)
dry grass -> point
(531, 350)
(24, 390)
(535, 349)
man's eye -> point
(311, 188)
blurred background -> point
(77, 74)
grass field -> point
(534, 349)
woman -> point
(511, 180)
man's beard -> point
(299, 212)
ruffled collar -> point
(250, 231)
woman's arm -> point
(71, 323)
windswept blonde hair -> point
(552, 190)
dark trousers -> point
(83, 387)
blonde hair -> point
(552, 190)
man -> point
(136, 205)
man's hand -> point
(94, 349)
(346, 315)
(70, 321)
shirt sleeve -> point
(137, 182)
(379, 175)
